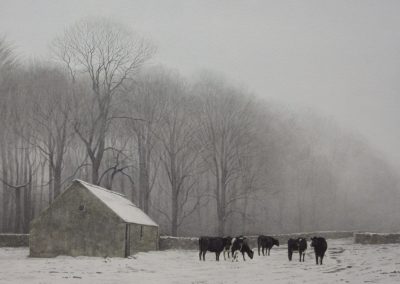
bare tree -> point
(106, 54)
(179, 151)
(51, 118)
(225, 132)
(147, 102)
(8, 83)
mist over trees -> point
(199, 155)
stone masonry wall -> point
(14, 240)
(374, 238)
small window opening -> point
(141, 232)
(81, 208)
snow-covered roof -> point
(118, 203)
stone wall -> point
(167, 242)
(14, 240)
(375, 238)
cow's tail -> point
(258, 244)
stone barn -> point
(93, 221)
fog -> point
(340, 57)
(319, 78)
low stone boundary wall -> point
(375, 238)
(14, 240)
(167, 242)
(187, 243)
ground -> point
(345, 263)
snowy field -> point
(345, 263)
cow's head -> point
(275, 242)
(313, 241)
(250, 253)
(246, 248)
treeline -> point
(199, 155)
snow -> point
(181, 238)
(117, 202)
(345, 263)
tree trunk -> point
(57, 179)
(144, 175)
(12, 174)
(17, 211)
(175, 195)
(27, 192)
(51, 181)
(174, 225)
(95, 172)
(6, 195)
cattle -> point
(227, 247)
(240, 244)
(320, 246)
(213, 244)
(266, 243)
(300, 245)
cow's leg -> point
(290, 255)
(320, 260)
(304, 254)
(200, 255)
(269, 250)
(316, 259)
(204, 255)
(235, 255)
(217, 255)
(300, 254)
(258, 249)
(224, 255)
(244, 259)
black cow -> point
(213, 244)
(300, 245)
(266, 243)
(240, 244)
(320, 246)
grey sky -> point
(340, 57)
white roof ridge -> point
(101, 188)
